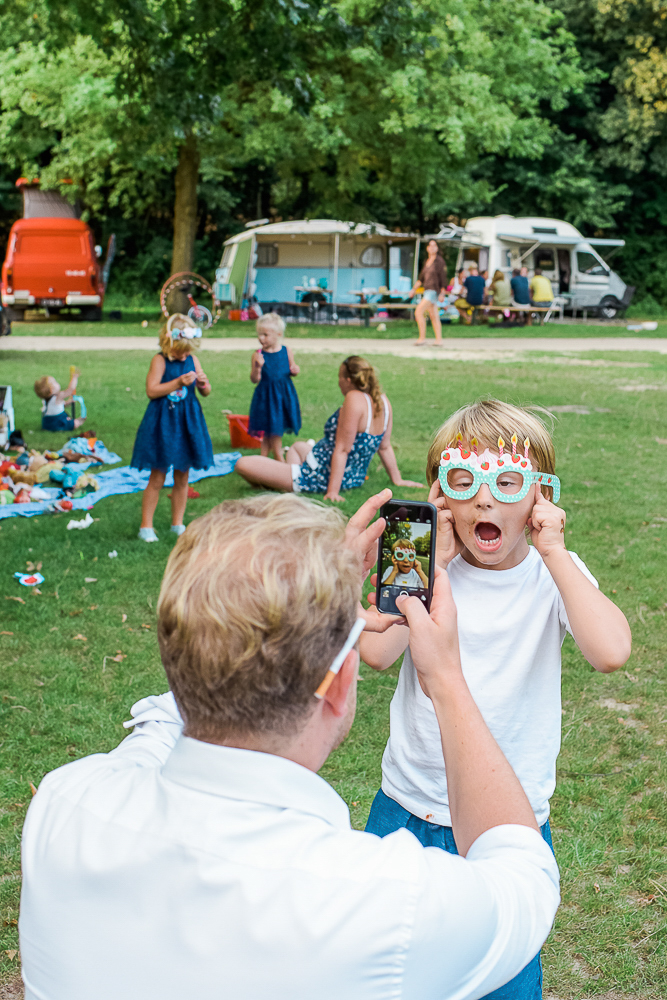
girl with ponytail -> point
(359, 429)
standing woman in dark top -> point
(433, 276)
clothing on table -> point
(433, 276)
(173, 430)
(502, 293)
(511, 662)
(410, 579)
(540, 289)
(521, 290)
(313, 475)
(176, 865)
(275, 405)
(475, 287)
(387, 816)
(54, 417)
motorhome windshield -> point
(590, 263)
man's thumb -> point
(412, 608)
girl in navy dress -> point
(173, 431)
(275, 406)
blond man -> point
(205, 858)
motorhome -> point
(578, 273)
(321, 261)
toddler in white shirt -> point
(406, 570)
(514, 604)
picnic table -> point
(541, 312)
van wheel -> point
(93, 314)
(5, 325)
(609, 307)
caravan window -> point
(588, 263)
(267, 255)
(372, 257)
(544, 259)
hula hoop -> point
(184, 279)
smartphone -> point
(406, 554)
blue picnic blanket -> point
(116, 481)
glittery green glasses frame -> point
(491, 480)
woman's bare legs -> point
(421, 319)
(434, 313)
(151, 496)
(179, 496)
(263, 471)
(296, 454)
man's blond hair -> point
(487, 420)
(258, 598)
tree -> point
(356, 107)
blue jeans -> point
(387, 816)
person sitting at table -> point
(475, 286)
(500, 292)
(433, 276)
(520, 286)
(352, 435)
(541, 292)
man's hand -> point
(547, 525)
(375, 620)
(361, 537)
(447, 544)
(434, 637)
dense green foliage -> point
(405, 113)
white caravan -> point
(577, 272)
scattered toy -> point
(85, 523)
(29, 579)
(113, 555)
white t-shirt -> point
(411, 579)
(511, 627)
(53, 406)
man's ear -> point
(337, 695)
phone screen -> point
(405, 557)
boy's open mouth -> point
(488, 536)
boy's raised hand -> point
(447, 544)
(546, 524)
(434, 637)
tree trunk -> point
(185, 216)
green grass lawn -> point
(130, 326)
(75, 657)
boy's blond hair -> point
(487, 420)
(174, 348)
(405, 543)
(42, 387)
(258, 598)
(270, 321)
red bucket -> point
(238, 432)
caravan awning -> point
(554, 240)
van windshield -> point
(587, 263)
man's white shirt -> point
(172, 868)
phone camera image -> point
(405, 557)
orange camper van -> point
(52, 261)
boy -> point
(514, 604)
(54, 399)
(405, 570)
